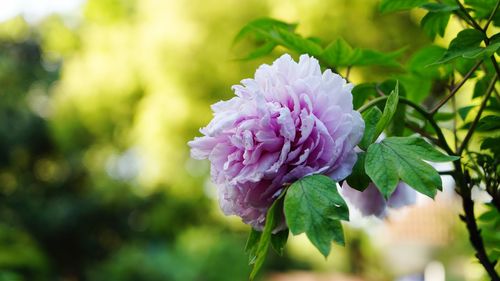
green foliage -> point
(313, 205)
(489, 223)
(434, 23)
(252, 245)
(278, 241)
(389, 110)
(363, 92)
(258, 244)
(402, 158)
(358, 179)
(339, 53)
(276, 33)
(483, 9)
(440, 7)
(467, 45)
(422, 75)
(387, 6)
(464, 111)
(482, 85)
(270, 33)
(491, 143)
(368, 57)
(372, 117)
(489, 123)
(420, 61)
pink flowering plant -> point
(298, 140)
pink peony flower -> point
(371, 202)
(290, 121)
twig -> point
(470, 221)
(377, 88)
(491, 16)
(454, 106)
(471, 20)
(496, 94)
(347, 72)
(455, 88)
(478, 116)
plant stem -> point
(455, 88)
(455, 136)
(491, 16)
(442, 140)
(478, 116)
(495, 64)
(347, 72)
(468, 17)
(470, 221)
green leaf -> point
(465, 45)
(420, 62)
(362, 92)
(313, 206)
(387, 6)
(464, 111)
(397, 158)
(278, 241)
(389, 110)
(489, 123)
(371, 117)
(261, 26)
(367, 57)
(261, 51)
(483, 8)
(482, 85)
(381, 166)
(434, 23)
(295, 42)
(417, 146)
(494, 106)
(273, 213)
(338, 53)
(491, 144)
(417, 87)
(444, 116)
(397, 125)
(358, 179)
(252, 245)
(439, 7)
(273, 33)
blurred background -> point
(97, 101)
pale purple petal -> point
(402, 196)
(371, 202)
(368, 202)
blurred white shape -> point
(124, 167)
(39, 102)
(479, 195)
(434, 271)
(35, 10)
